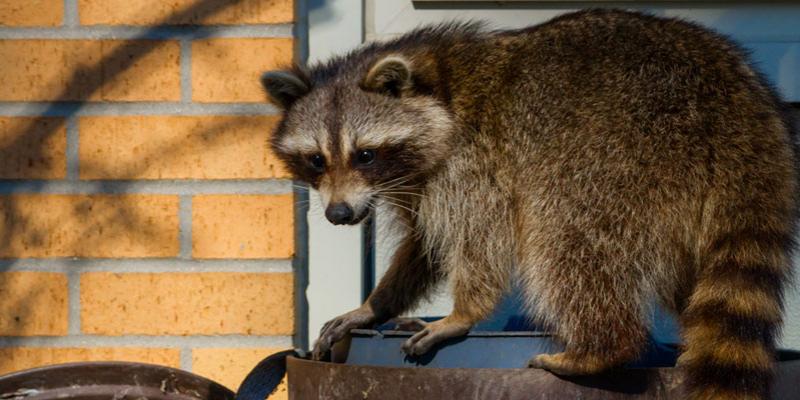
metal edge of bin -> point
(323, 380)
(400, 333)
(106, 380)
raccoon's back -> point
(618, 96)
(619, 64)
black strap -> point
(266, 376)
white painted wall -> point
(772, 33)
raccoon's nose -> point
(339, 213)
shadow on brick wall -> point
(13, 221)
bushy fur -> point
(602, 159)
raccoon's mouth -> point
(360, 217)
(355, 220)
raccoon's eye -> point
(365, 157)
(317, 161)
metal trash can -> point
(489, 365)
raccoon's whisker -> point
(400, 201)
(313, 212)
(396, 181)
(393, 197)
(398, 191)
(399, 178)
(398, 205)
(400, 183)
(405, 225)
(395, 220)
(393, 202)
(401, 193)
(393, 192)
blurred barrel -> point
(109, 380)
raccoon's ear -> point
(390, 75)
(285, 87)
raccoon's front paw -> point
(433, 333)
(336, 329)
(564, 364)
(408, 324)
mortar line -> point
(156, 341)
(186, 359)
(71, 14)
(163, 187)
(186, 70)
(66, 109)
(74, 302)
(185, 227)
(73, 146)
(72, 30)
(78, 266)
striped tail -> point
(734, 313)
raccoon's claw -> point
(408, 324)
(433, 333)
(563, 364)
(337, 328)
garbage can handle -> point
(266, 376)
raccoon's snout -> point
(343, 214)
(340, 213)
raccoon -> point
(598, 161)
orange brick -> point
(185, 12)
(33, 304)
(243, 226)
(187, 304)
(228, 70)
(19, 13)
(19, 358)
(230, 366)
(94, 70)
(142, 147)
(32, 148)
(107, 226)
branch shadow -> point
(29, 147)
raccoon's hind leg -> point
(591, 296)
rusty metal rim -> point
(320, 380)
(308, 362)
(313, 380)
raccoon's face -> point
(355, 141)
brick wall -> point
(142, 217)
